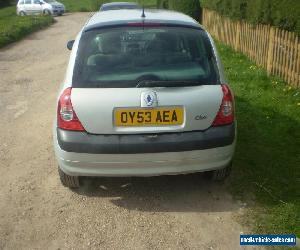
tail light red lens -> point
(225, 115)
(66, 116)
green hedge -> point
(13, 27)
(163, 4)
(281, 13)
(4, 3)
(189, 7)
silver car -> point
(119, 6)
(40, 7)
(144, 95)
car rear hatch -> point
(146, 80)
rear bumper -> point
(81, 142)
(144, 160)
(144, 164)
(58, 12)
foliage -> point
(13, 27)
(189, 7)
(4, 3)
(162, 4)
(283, 14)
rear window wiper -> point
(169, 83)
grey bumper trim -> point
(82, 142)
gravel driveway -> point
(36, 212)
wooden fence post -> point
(270, 50)
(298, 66)
(237, 37)
(294, 63)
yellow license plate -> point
(149, 117)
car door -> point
(37, 7)
(28, 7)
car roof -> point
(122, 17)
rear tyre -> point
(220, 174)
(67, 180)
(22, 13)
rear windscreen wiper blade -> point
(169, 83)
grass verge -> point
(13, 27)
(267, 160)
(94, 5)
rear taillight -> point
(66, 116)
(225, 115)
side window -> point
(27, 1)
(36, 1)
(21, 2)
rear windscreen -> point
(122, 57)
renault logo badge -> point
(149, 99)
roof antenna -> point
(143, 14)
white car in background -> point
(40, 7)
